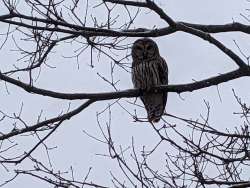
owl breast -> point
(145, 75)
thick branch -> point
(93, 31)
(125, 2)
(241, 185)
(229, 27)
(130, 92)
(209, 38)
(216, 80)
(161, 13)
(81, 30)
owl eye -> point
(149, 47)
(139, 48)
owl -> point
(149, 69)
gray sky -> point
(188, 57)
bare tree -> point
(197, 154)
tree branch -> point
(63, 117)
(93, 31)
(241, 185)
(34, 148)
(130, 3)
(212, 40)
(161, 13)
(229, 27)
(180, 88)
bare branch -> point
(63, 117)
(130, 92)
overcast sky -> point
(189, 58)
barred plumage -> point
(148, 70)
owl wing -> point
(163, 75)
(163, 71)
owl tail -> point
(155, 105)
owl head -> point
(144, 49)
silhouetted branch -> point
(241, 185)
(27, 154)
(53, 177)
(213, 81)
(48, 122)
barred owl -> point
(148, 70)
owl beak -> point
(145, 55)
